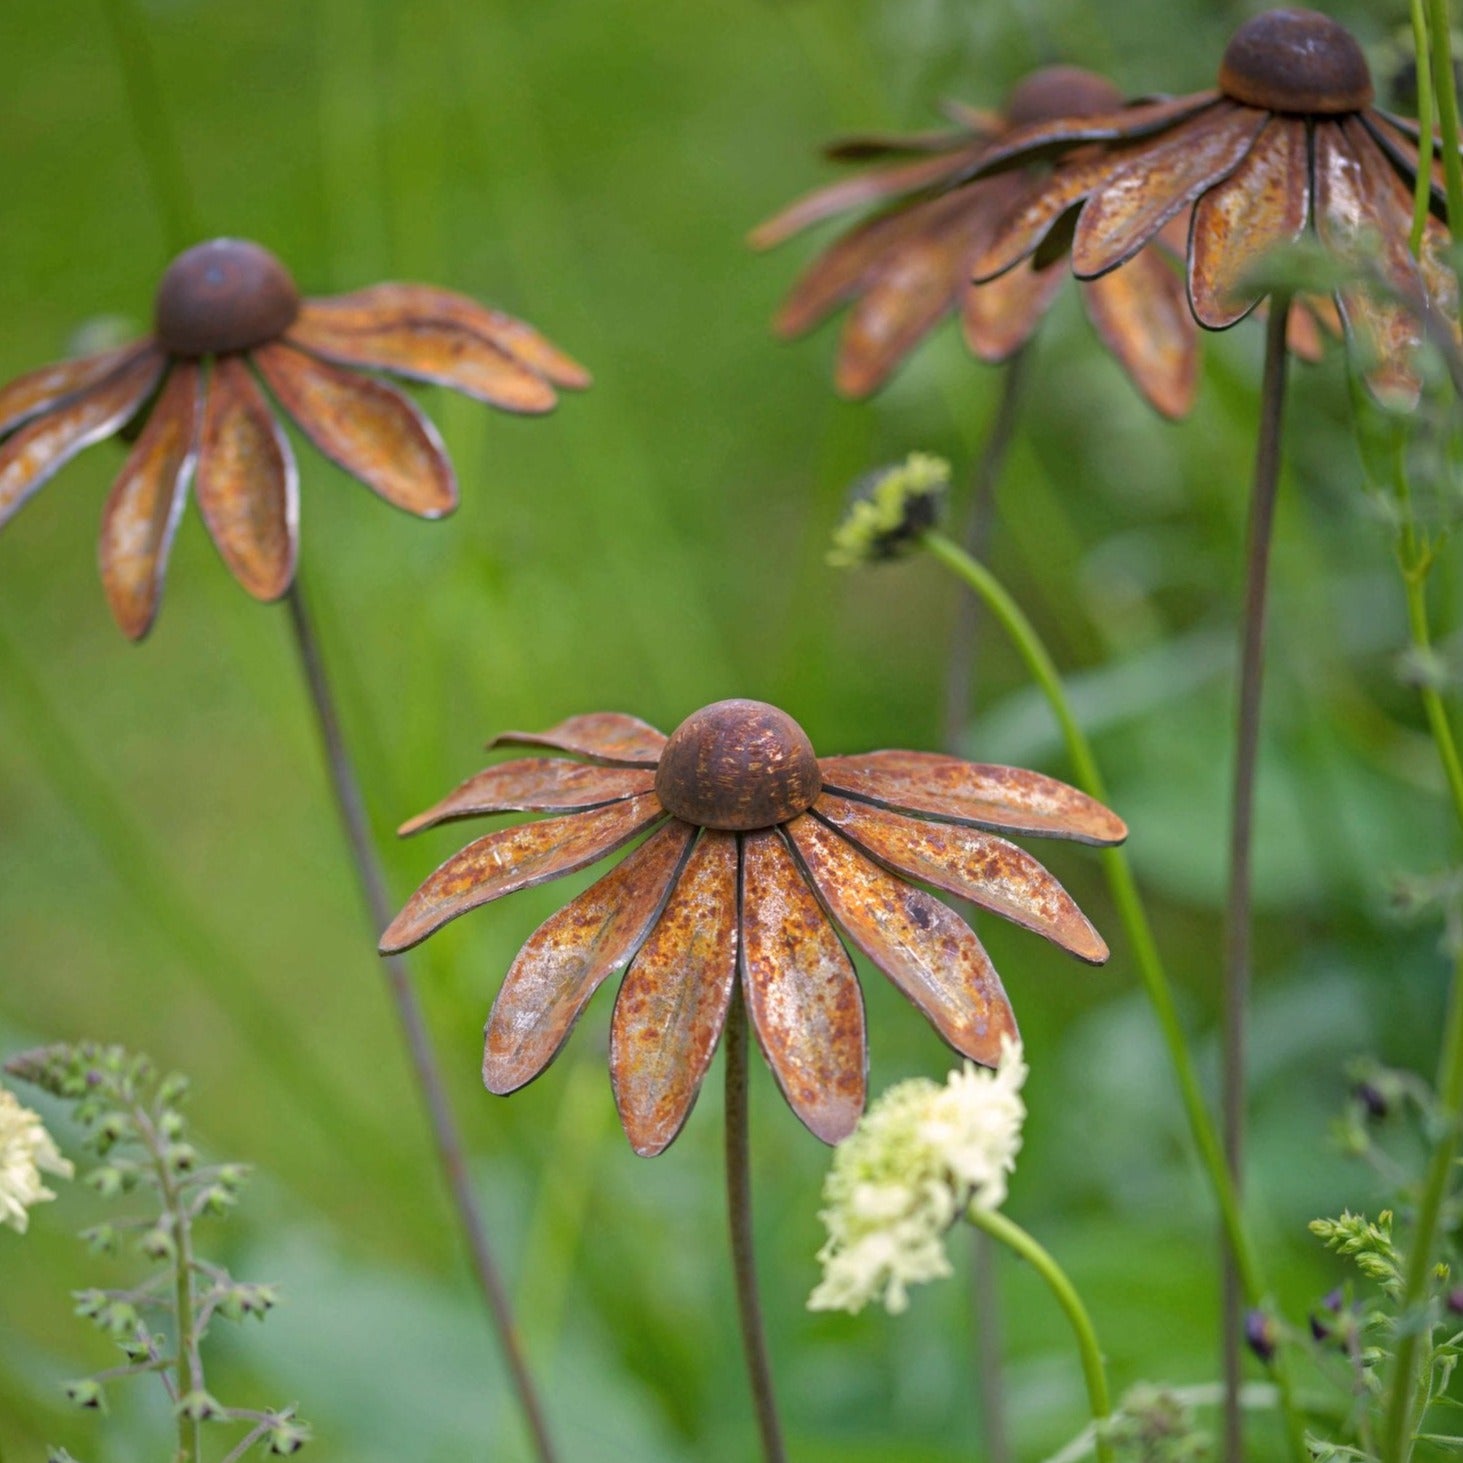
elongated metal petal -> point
(1163, 178)
(1263, 204)
(923, 946)
(864, 146)
(602, 736)
(147, 500)
(517, 858)
(1002, 314)
(673, 1002)
(1007, 799)
(31, 456)
(365, 427)
(801, 992)
(1143, 316)
(247, 487)
(1399, 138)
(971, 864)
(37, 391)
(572, 953)
(534, 785)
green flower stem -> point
(1094, 1372)
(1134, 917)
(1439, 25)
(1422, 187)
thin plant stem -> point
(985, 1298)
(1094, 1372)
(1445, 88)
(1422, 186)
(352, 809)
(739, 1213)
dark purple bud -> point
(1455, 1300)
(1333, 1301)
(1319, 1328)
(1260, 1335)
(1373, 1099)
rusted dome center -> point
(1061, 91)
(1296, 61)
(738, 765)
(225, 295)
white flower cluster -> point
(26, 1150)
(919, 1159)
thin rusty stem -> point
(1237, 923)
(739, 1212)
(990, 1348)
(352, 809)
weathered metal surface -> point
(801, 991)
(1002, 314)
(31, 456)
(37, 391)
(146, 503)
(222, 296)
(602, 736)
(517, 858)
(1296, 61)
(371, 431)
(970, 864)
(1007, 799)
(246, 483)
(1263, 204)
(860, 147)
(673, 1001)
(534, 785)
(920, 944)
(572, 953)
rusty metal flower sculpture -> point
(226, 314)
(911, 264)
(757, 849)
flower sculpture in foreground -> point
(757, 850)
(228, 313)
(911, 264)
(1287, 144)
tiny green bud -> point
(100, 1239)
(217, 1200)
(889, 509)
(288, 1436)
(84, 1392)
(172, 1090)
(89, 1303)
(157, 1243)
(182, 1157)
(172, 1124)
(198, 1406)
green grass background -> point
(171, 873)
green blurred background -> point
(172, 876)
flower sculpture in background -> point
(757, 849)
(911, 264)
(26, 1152)
(227, 313)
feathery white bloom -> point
(26, 1150)
(920, 1158)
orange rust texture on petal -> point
(534, 785)
(923, 946)
(971, 864)
(602, 736)
(516, 858)
(30, 457)
(1262, 205)
(570, 955)
(370, 430)
(673, 1003)
(40, 390)
(801, 991)
(1002, 314)
(1008, 799)
(248, 492)
(146, 503)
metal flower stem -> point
(739, 1212)
(351, 806)
(1129, 902)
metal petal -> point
(365, 427)
(1007, 799)
(30, 457)
(1002, 314)
(1163, 176)
(1143, 316)
(1399, 138)
(673, 1002)
(1312, 319)
(1263, 204)
(395, 304)
(801, 992)
(973, 865)
(570, 955)
(147, 500)
(923, 946)
(602, 736)
(516, 858)
(39, 391)
(534, 785)
(864, 146)
(247, 486)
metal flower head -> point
(911, 264)
(759, 853)
(1288, 143)
(227, 313)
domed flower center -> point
(1061, 91)
(1296, 61)
(225, 295)
(738, 765)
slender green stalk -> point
(1094, 1372)
(1422, 184)
(1439, 25)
